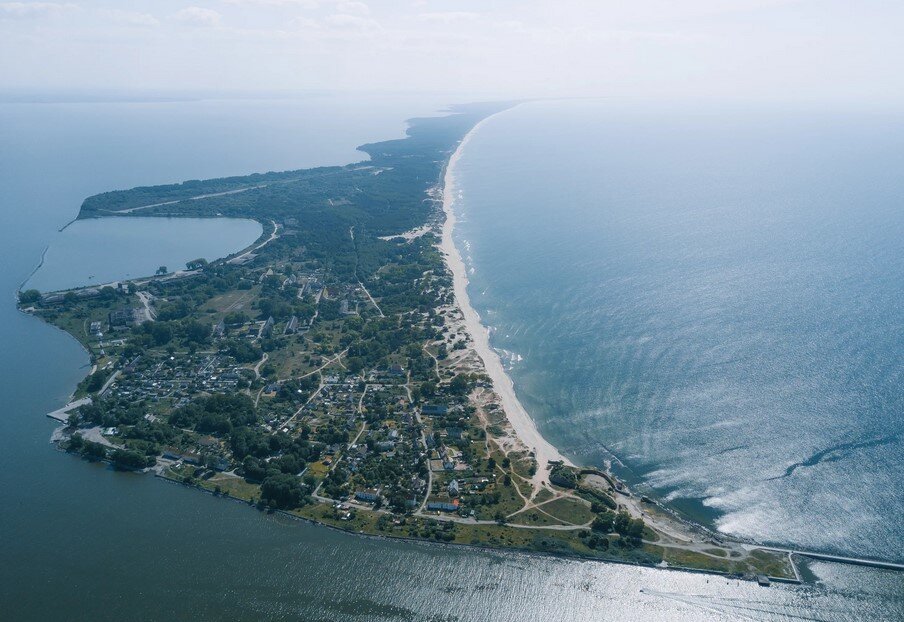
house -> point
(171, 453)
(291, 326)
(453, 488)
(384, 445)
(219, 330)
(443, 506)
(370, 496)
(122, 318)
(435, 409)
(95, 328)
(192, 458)
(268, 327)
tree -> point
(283, 490)
(460, 384)
(603, 522)
(96, 381)
(29, 296)
(128, 459)
(236, 318)
(94, 451)
(162, 270)
(160, 332)
(630, 528)
(76, 442)
(196, 332)
(563, 476)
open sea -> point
(713, 299)
(632, 315)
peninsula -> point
(336, 371)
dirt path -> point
(351, 233)
(195, 198)
(273, 235)
(146, 298)
(257, 367)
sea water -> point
(80, 541)
(712, 299)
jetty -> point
(840, 559)
(62, 414)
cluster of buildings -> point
(176, 378)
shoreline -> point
(522, 431)
(290, 516)
(677, 527)
(523, 425)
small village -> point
(327, 373)
(412, 437)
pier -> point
(62, 414)
(841, 559)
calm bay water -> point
(82, 542)
(107, 249)
(714, 297)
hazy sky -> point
(744, 49)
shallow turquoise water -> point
(714, 298)
(82, 542)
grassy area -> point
(235, 300)
(534, 518)
(318, 469)
(236, 487)
(569, 511)
(292, 361)
(509, 501)
(544, 495)
(758, 562)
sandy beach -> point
(682, 533)
(521, 422)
